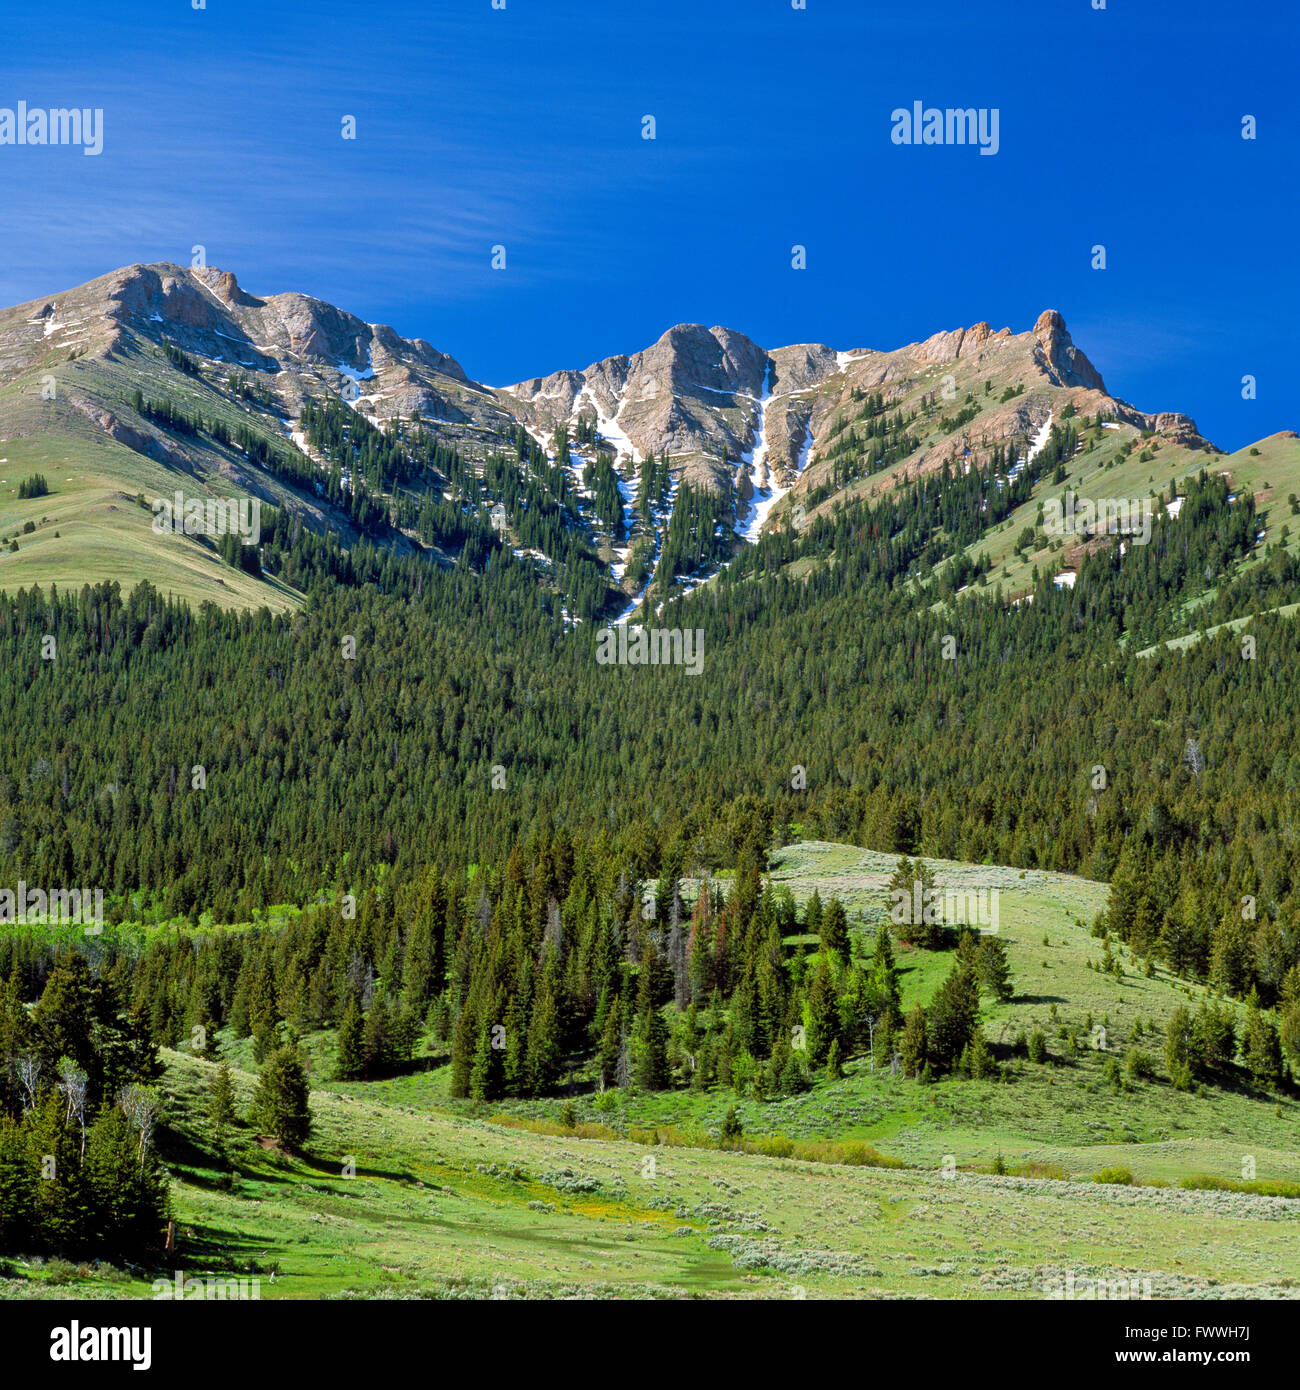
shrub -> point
(851, 1152)
(1116, 1176)
(1139, 1065)
(1037, 1169)
(1260, 1187)
(771, 1146)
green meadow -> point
(403, 1192)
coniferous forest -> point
(504, 850)
(601, 701)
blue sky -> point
(522, 127)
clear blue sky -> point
(523, 127)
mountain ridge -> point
(761, 431)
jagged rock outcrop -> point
(1066, 363)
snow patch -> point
(356, 377)
(1040, 439)
(610, 429)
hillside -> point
(448, 1200)
(386, 808)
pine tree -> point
(17, 1202)
(462, 1053)
(607, 1057)
(951, 1017)
(129, 1200)
(1261, 1048)
(812, 914)
(1214, 1039)
(823, 1020)
(545, 1061)
(793, 1078)
(280, 1100)
(62, 1209)
(980, 1061)
(881, 998)
(221, 1101)
(913, 1048)
(994, 972)
(487, 1075)
(652, 1057)
(350, 1064)
(376, 1045)
(651, 1066)
(834, 930)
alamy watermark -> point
(210, 1288)
(1071, 515)
(1081, 1287)
(64, 907)
(655, 646)
(929, 125)
(77, 1343)
(57, 125)
(947, 907)
(209, 516)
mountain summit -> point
(157, 373)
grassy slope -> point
(94, 480)
(1063, 1114)
(103, 535)
(437, 1207)
(442, 1205)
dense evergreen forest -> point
(430, 715)
(79, 1170)
(506, 846)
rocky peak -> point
(717, 359)
(1065, 363)
(223, 284)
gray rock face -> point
(730, 415)
(1065, 362)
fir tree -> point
(913, 1048)
(834, 930)
(994, 971)
(951, 1017)
(221, 1101)
(280, 1100)
(1261, 1048)
(350, 1043)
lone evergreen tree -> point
(221, 1101)
(280, 1102)
(994, 972)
